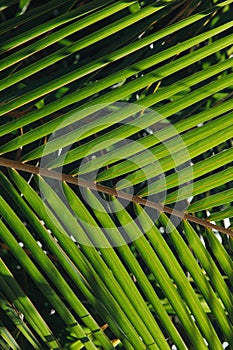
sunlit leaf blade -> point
(215, 200)
(223, 214)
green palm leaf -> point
(116, 175)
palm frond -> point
(116, 175)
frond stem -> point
(111, 191)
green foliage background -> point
(171, 286)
